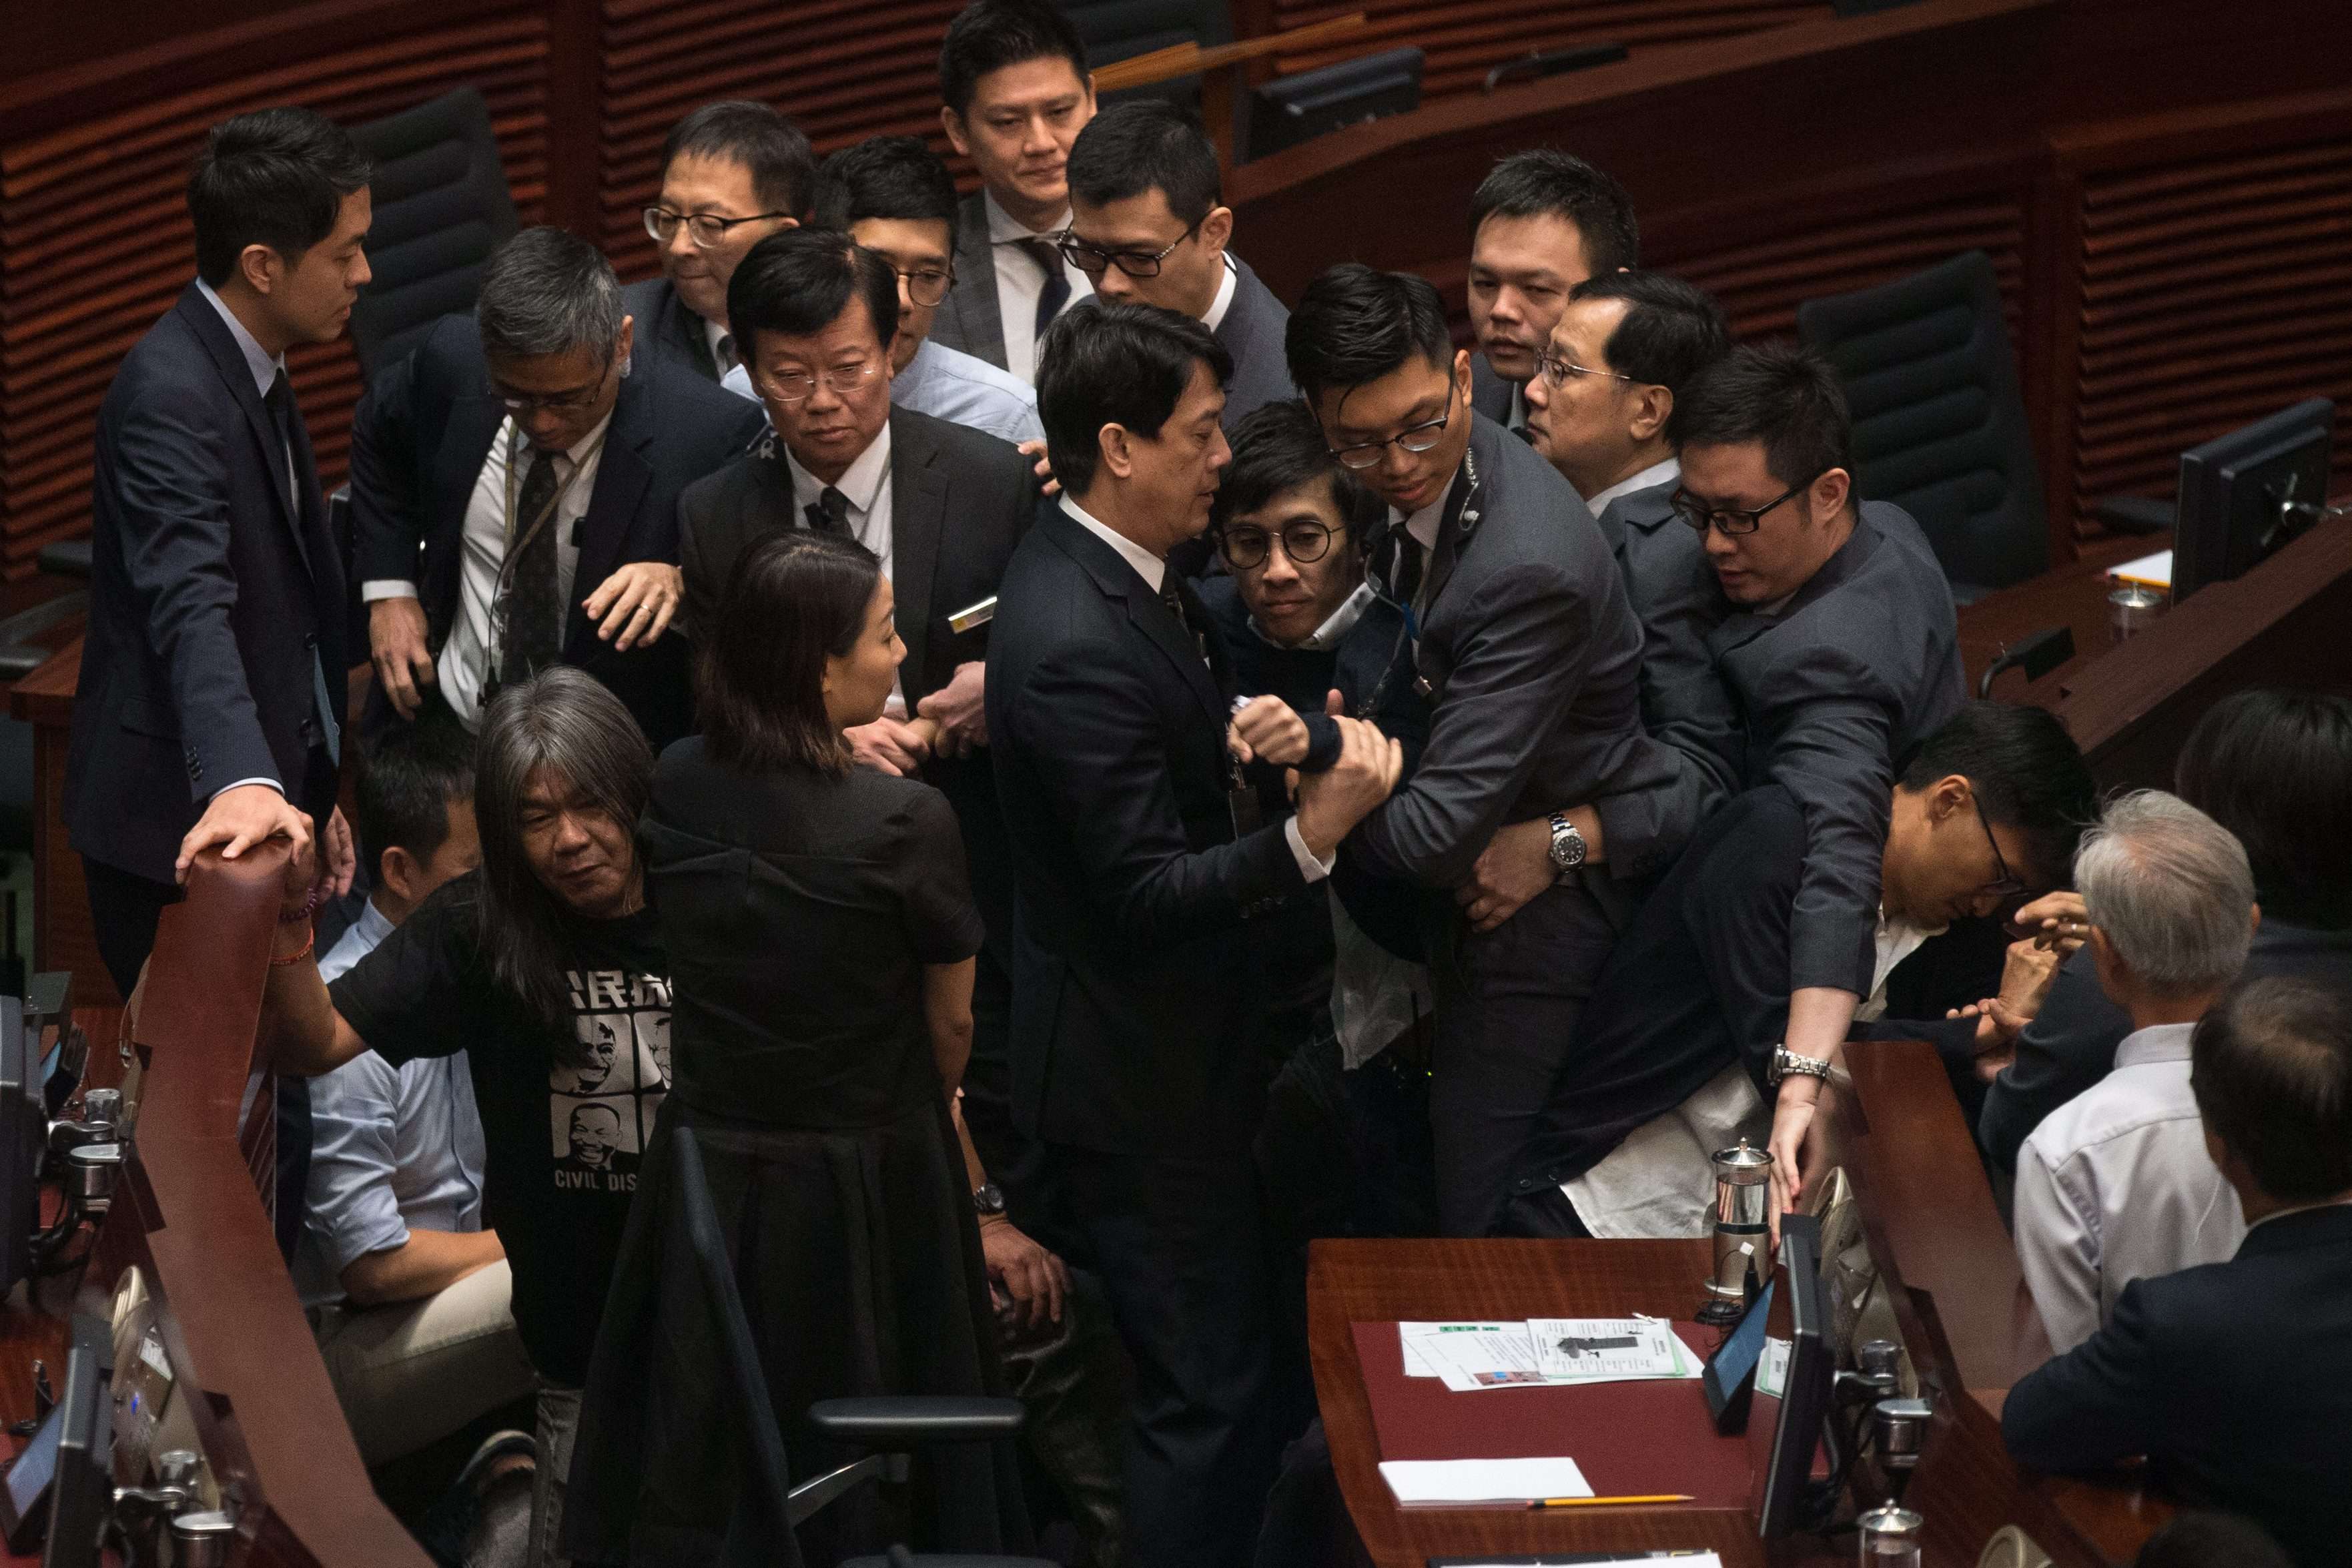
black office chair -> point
(890, 1424)
(442, 206)
(1939, 425)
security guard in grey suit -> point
(1530, 652)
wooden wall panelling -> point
(2208, 282)
(1464, 40)
(95, 244)
(843, 69)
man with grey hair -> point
(2116, 1185)
(514, 497)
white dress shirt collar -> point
(859, 483)
(715, 333)
(1148, 566)
(1425, 524)
(256, 358)
(2157, 1043)
(1225, 300)
(1003, 227)
(1655, 474)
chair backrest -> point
(442, 206)
(1939, 425)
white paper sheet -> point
(2149, 571)
(1609, 1349)
(1470, 1356)
(1482, 1481)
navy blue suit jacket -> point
(418, 443)
(215, 597)
(2234, 1379)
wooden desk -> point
(2073, 595)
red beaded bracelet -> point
(308, 943)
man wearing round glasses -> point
(1149, 225)
(1524, 643)
(732, 173)
(1839, 646)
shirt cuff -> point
(1311, 866)
(240, 784)
(377, 588)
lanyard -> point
(502, 589)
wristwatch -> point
(1786, 1061)
(1567, 843)
(989, 1200)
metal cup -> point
(201, 1539)
(91, 1170)
(1891, 1537)
(2132, 609)
(1743, 1205)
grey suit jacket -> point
(1862, 664)
(1533, 653)
(1685, 707)
(1252, 333)
(1490, 395)
(970, 318)
(959, 501)
(667, 329)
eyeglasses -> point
(2006, 884)
(571, 402)
(1731, 520)
(1556, 372)
(927, 286)
(843, 379)
(1246, 548)
(1094, 262)
(1416, 439)
(708, 229)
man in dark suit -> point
(2233, 1378)
(732, 173)
(1596, 410)
(1531, 654)
(2274, 768)
(1139, 863)
(1673, 1059)
(1541, 222)
(1016, 92)
(1840, 647)
(1149, 225)
(514, 495)
(208, 710)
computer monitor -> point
(23, 1125)
(1791, 1405)
(1294, 108)
(2241, 494)
(83, 1488)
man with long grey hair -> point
(2116, 1185)
(514, 496)
(542, 962)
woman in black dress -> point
(822, 929)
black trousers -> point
(1544, 1215)
(1506, 1002)
(1179, 1241)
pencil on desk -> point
(1601, 1501)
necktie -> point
(830, 514)
(1404, 566)
(534, 631)
(725, 353)
(279, 401)
(1057, 292)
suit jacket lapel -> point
(228, 359)
(919, 512)
(1116, 578)
(623, 477)
(1452, 534)
(975, 291)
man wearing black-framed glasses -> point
(521, 453)
(1149, 225)
(1840, 647)
(1528, 650)
(732, 173)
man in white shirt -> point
(732, 173)
(1016, 92)
(2116, 1185)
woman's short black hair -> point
(885, 177)
(741, 130)
(2276, 768)
(274, 177)
(2271, 1066)
(2028, 775)
(797, 281)
(1543, 181)
(1671, 330)
(1114, 365)
(1280, 448)
(795, 600)
(1784, 395)
(1355, 324)
(988, 35)
(1147, 145)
